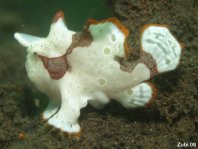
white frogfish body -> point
(74, 69)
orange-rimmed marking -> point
(154, 94)
(147, 26)
(57, 16)
(119, 25)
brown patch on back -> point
(56, 66)
(148, 60)
(145, 58)
(81, 39)
(125, 65)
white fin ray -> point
(138, 96)
(26, 40)
(164, 48)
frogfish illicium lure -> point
(77, 68)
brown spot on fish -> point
(56, 66)
(81, 39)
(57, 16)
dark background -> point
(173, 117)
